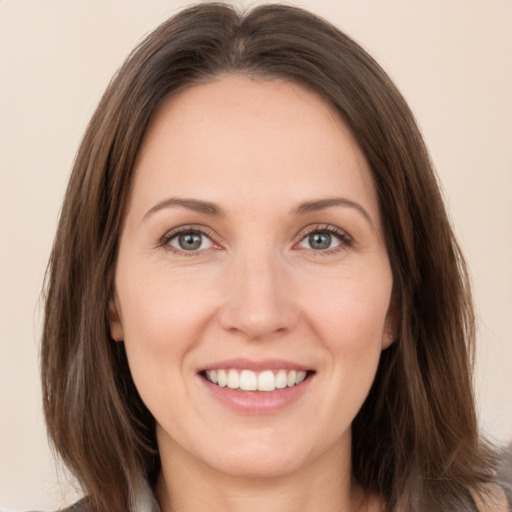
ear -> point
(116, 326)
(390, 333)
(388, 337)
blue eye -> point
(190, 241)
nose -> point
(259, 301)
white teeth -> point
(233, 379)
(222, 378)
(266, 381)
(281, 379)
(247, 380)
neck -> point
(186, 485)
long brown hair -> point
(416, 439)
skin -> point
(255, 289)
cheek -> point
(161, 309)
(348, 317)
(163, 319)
(350, 310)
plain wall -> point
(452, 60)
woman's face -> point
(252, 254)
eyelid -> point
(187, 228)
(345, 239)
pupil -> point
(320, 240)
(190, 241)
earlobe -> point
(388, 338)
(116, 326)
(390, 333)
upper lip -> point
(255, 366)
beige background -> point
(452, 60)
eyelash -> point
(170, 235)
(345, 239)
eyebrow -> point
(322, 204)
(196, 205)
(209, 208)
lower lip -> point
(257, 402)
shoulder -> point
(79, 506)
(492, 499)
(498, 497)
(504, 469)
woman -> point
(255, 298)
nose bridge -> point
(258, 302)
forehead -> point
(254, 137)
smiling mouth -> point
(248, 380)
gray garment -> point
(80, 506)
(504, 469)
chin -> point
(274, 455)
(258, 466)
